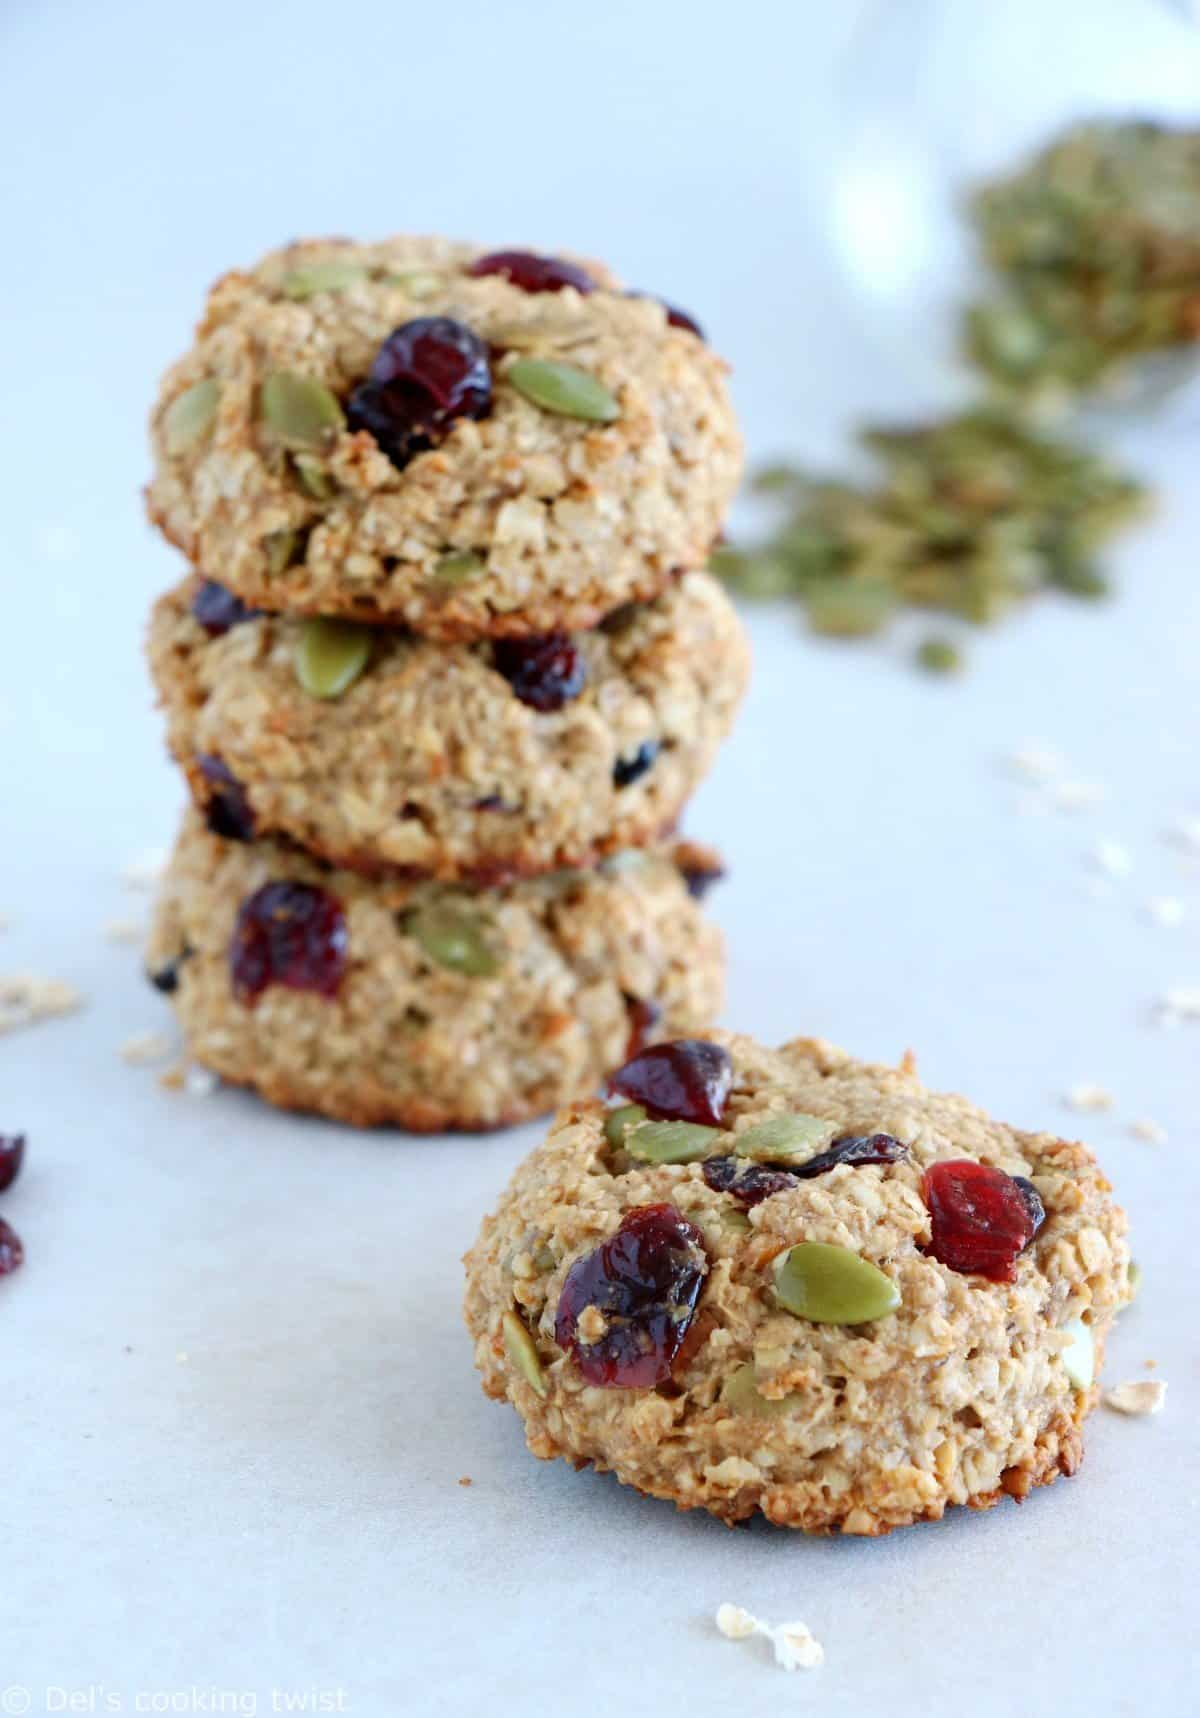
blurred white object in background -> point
(938, 95)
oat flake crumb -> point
(124, 930)
(145, 1047)
(1112, 858)
(1137, 1396)
(794, 1645)
(1151, 1132)
(1086, 1096)
(26, 999)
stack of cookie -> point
(441, 678)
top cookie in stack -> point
(440, 632)
(469, 445)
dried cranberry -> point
(644, 1016)
(627, 770)
(645, 1280)
(218, 609)
(545, 672)
(981, 1217)
(853, 1148)
(290, 934)
(749, 1183)
(700, 878)
(12, 1253)
(676, 317)
(12, 1156)
(687, 1080)
(533, 273)
(227, 811)
(428, 373)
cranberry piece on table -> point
(640, 1287)
(627, 770)
(545, 672)
(748, 1183)
(290, 934)
(12, 1253)
(218, 610)
(12, 1156)
(982, 1219)
(426, 375)
(533, 273)
(853, 1148)
(687, 1080)
(227, 811)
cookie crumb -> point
(1166, 910)
(145, 1047)
(25, 999)
(144, 872)
(124, 930)
(1086, 1096)
(1137, 1396)
(466, 1480)
(1151, 1132)
(794, 1645)
(1112, 858)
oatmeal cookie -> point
(479, 761)
(795, 1283)
(423, 1005)
(412, 431)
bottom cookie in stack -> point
(427, 1005)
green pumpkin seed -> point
(740, 1393)
(313, 477)
(670, 1142)
(417, 282)
(279, 547)
(330, 655)
(190, 416)
(563, 388)
(314, 277)
(300, 411)
(519, 1346)
(618, 1122)
(458, 567)
(1079, 1356)
(1134, 1278)
(939, 656)
(454, 938)
(785, 1137)
(832, 1285)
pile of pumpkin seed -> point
(1095, 249)
(967, 515)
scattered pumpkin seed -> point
(458, 567)
(519, 1346)
(939, 656)
(785, 1138)
(300, 411)
(190, 416)
(740, 1393)
(279, 547)
(1134, 1278)
(618, 1122)
(1079, 1356)
(455, 938)
(310, 278)
(832, 1285)
(563, 388)
(330, 655)
(670, 1141)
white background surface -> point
(281, 1508)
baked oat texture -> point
(572, 518)
(409, 1042)
(959, 1397)
(430, 764)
